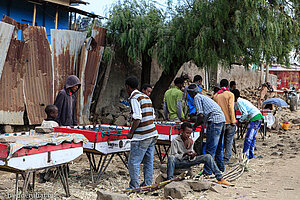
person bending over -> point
(183, 156)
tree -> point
(133, 27)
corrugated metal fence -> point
(31, 73)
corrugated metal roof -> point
(38, 82)
(66, 46)
(88, 71)
(11, 81)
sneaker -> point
(224, 182)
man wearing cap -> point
(210, 113)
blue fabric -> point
(214, 145)
(228, 140)
(191, 102)
(175, 163)
(141, 150)
(209, 108)
(250, 138)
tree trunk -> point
(146, 69)
(162, 86)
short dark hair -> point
(224, 83)
(197, 78)
(178, 80)
(236, 93)
(192, 86)
(216, 89)
(232, 83)
(186, 124)
(50, 109)
(145, 86)
(132, 82)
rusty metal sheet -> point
(38, 81)
(6, 32)
(66, 46)
(11, 91)
(89, 65)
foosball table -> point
(26, 153)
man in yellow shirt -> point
(225, 99)
(173, 102)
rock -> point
(177, 190)
(102, 195)
(160, 178)
(264, 144)
(120, 121)
(163, 168)
(110, 110)
(8, 129)
(280, 145)
(122, 173)
(296, 121)
(274, 154)
(127, 115)
(199, 186)
(107, 120)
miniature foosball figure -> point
(143, 134)
(183, 156)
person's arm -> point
(200, 112)
(75, 122)
(166, 112)
(59, 101)
(231, 109)
(199, 121)
(136, 115)
(243, 112)
(179, 110)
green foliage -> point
(133, 26)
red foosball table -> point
(26, 153)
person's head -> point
(217, 88)
(197, 79)
(51, 111)
(179, 82)
(192, 90)
(236, 93)
(73, 83)
(224, 83)
(131, 83)
(186, 130)
(232, 85)
(146, 89)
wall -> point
(22, 11)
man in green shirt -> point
(173, 102)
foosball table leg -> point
(123, 160)
(25, 184)
(104, 166)
(166, 151)
(63, 174)
(158, 152)
(17, 186)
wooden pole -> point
(267, 73)
(262, 73)
(34, 14)
(56, 18)
(75, 23)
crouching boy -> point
(183, 156)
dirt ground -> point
(273, 174)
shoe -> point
(224, 182)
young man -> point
(192, 110)
(225, 99)
(51, 112)
(232, 85)
(66, 102)
(146, 89)
(209, 111)
(143, 134)
(173, 102)
(183, 156)
(251, 114)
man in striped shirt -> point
(210, 113)
(143, 134)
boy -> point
(143, 134)
(173, 102)
(210, 113)
(253, 115)
(66, 102)
(52, 112)
(225, 99)
(182, 155)
(146, 89)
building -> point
(52, 14)
(287, 78)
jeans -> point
(142, 150)
(228, 140)
(214, 145)
(175, 163)
(249, 142)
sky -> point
(101, 7)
